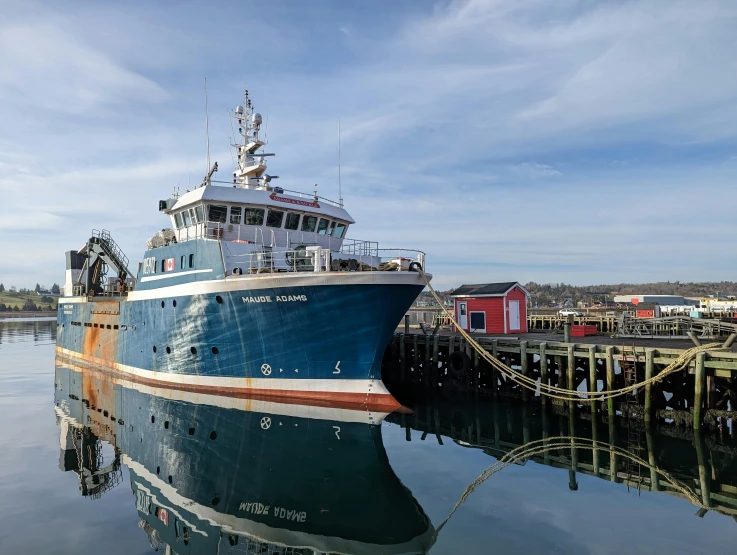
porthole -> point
(213, 435)
(174, 303)
(170, 479)
(215, 350)
(162, 304)
(215, 501)
(191, 431)
(158, 470)
(219, 299)
(168, 350)
(154, 348)
(166, 424)
(153, 419)
(193, 350)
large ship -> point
(216, 475)
(253, 290)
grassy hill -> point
(26, 301)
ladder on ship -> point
(631, 410)
(103, 253)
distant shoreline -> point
(29, 314)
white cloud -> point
(43, 67)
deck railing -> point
(318, 259)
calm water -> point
(213, 475)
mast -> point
(250, 166)
(207, 130)
(340, 189)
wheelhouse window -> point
(322, 227)
(200, 214)
(216, 213)
(193, 216)
(274, 219)
(178, 220)
(191, 260)
(187, 219)
(309, 223)
(254, 216)
(235, 215)
(292, 221)
(339, 230)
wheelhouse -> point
(244, 215)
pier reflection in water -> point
(388, 489)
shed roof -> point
(486, 289)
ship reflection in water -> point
(221, 475)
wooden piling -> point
(435, 349)
(592, 379)
(559, 368)
(543, 371)
(649, 368)
(654, 478)
(698, 389)
(524, 365)
(426, 364)
(610, 380)
(402, 361)
(704, 467)
(495, 379)
(571, 375)
(612, 456)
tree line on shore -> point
(27, 300)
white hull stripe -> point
(268, 281)
(175, 274)
(246, 405)
(267, 534)
(358, 386)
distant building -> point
(648, 310)
(664, 300)
(498, 308)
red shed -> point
(497, 308)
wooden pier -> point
(704, 394)
(667, 326)
(682, 462)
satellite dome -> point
(256, 119)
(239, 109)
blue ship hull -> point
(210, 471)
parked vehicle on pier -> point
(569, 312)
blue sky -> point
(577, 141)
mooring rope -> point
(679, 364)
(542, 446)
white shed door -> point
(514, 316)
(462, 316)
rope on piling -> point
(679, 364)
